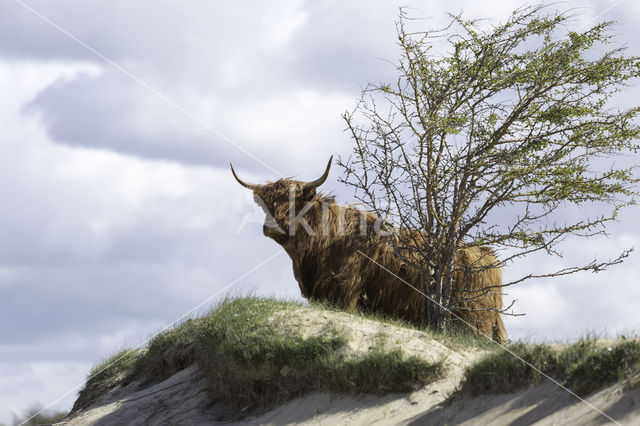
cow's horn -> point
(241, 182)
(316, 183)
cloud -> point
(93, 241)
(112, 112)
(266, 82)
(119, 211)
(568, 307)
(22, 386)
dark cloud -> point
(230, 71)
(113, 112)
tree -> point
(514, 121)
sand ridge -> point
(182, 398)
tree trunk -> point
(432, 305)
(437, 286)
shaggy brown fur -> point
(327, 265)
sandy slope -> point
(181, 399)
(544, 405)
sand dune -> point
(182, 399)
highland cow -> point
(325, 241)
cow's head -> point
(278, 198)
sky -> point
(117, 124)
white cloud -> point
(97, 241)
(543, 304)
(23, 384)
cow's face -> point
(282, 201)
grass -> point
(114, 366)
(252, 363)
(456, 336)
(583, 367)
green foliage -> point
(583, 367)
(252, 363)
(519, 116)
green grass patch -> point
(583, 367)
(114, 366)
(107, 374)
(252, 362)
